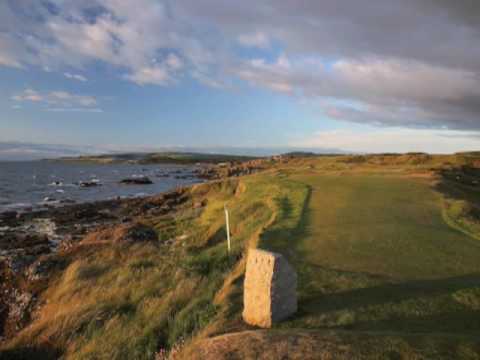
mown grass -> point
(375, 254)
(389, 226)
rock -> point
(86, 213)
(144, 180)
(18, 261)
(66, 243)
(270, 289)
(67, 201)
(18, 240)
(87, 184)
(199, 204)
(139, 232)
(39, 249)
(9, 218)
(19, 309)
(42, 268)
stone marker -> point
(270, 289)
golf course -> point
(377, 260)
(385, 246)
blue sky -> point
(184, 114)
(124, 75)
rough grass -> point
(130, 301)
(375, 252)
(122, 302)
(306, 345)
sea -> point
(33, 185)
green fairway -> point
(374, 253)
(383, 225)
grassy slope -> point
(127, 302)
(376, 259)
(368, 239)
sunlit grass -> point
(368, 237)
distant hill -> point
(301, 154)
(157, 158)
(21, 151)
(24, 151)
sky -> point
(359, 76)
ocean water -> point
(33, 185)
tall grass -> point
(130, 301)
(358, 269)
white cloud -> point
(208, 80)
(75, 77)
(62, 98)
(394, 140)
(381, 92)
(28, 95)
(6, 60)
(174, 62)
(90, 110)
(7, 52)
(275, 76)
(406, 80)
(406, 63)
(257, 39)
(133, 36)
(157, 75)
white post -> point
(227, 221)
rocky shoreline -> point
(36, 245)
(33, 245)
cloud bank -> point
(408, 64)
(394, 140)
(57, 101)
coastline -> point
(27, 186)
(36, 245)
(33, 245)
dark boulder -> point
(144, 180)
(42, 268)
(88, 184)
(139, 232)
(8, 217)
